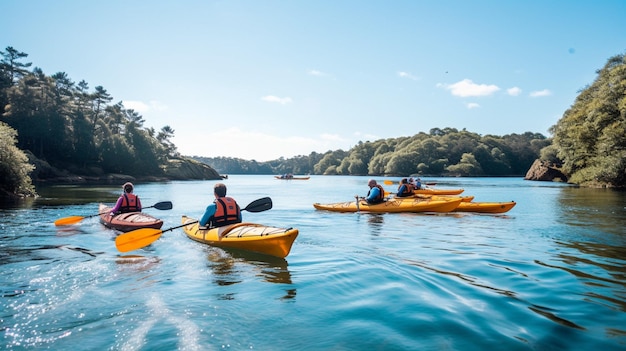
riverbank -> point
(181, 168)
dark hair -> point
(220, 189)
(128, 187)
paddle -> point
(139, 238)
(165, 205)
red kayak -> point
(126, 222)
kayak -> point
(126, 222)
(467, 198)
(394, 205)
(244, 236)
(429, 191)
(485, 207)
(292, 178)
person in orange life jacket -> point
(224, 210)
(405, 189)
(127, 202)
(376, 194)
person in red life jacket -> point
(223, 211)
(376, 194)
(405, 189)
(127, 202)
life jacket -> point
(129, 203)
(226, 212)
(405, 190)
(381, 195)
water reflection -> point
(225, 264)
(70, 231)
(375, 222)
(65, 195)
(600, 210)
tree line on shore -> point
(51, 120)
(441, 152)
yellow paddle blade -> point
(137, 239)
(68, 220)
(388, 182)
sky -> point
(264, 79)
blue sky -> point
(265, 79)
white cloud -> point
(276, 99)
(142, 107)
(472, 105)
(540, 93)
(235, 142)
(407, 75)
(515, 91)
(467, 88)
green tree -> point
(467, 166)
(12, 65)
(14, 166)
(164, 137)
(591, 135)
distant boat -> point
(290, 177)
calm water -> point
(548, 275)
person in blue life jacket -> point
(127, 202)
(376, 194)
(418, 183)
(223, 211)
(405, 188)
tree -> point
(11, 63)
(591, 135)
(14, 166)
(164, 137)
(467, 166)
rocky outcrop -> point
(188, 169)
(544, 171)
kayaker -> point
(376, 194)
(418, 183)
(223, 211)
(405, 188)
(127, 202)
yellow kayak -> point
(244, 236)
(485, 207)
(394, 205)
(431, 191)
(466, 198)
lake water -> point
(548, 275)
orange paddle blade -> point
(68, 220)
(388, 182)
(137, 239)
